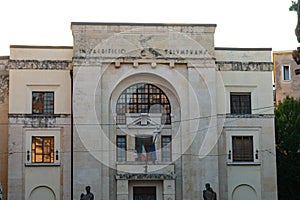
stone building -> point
(287, 82)
(140, 111)
(3, 124)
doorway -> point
(144, 193)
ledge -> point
(138, 24)
(42, 164)
(243, 163)
(17, 115)
(249, 116)
(145, 176)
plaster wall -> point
(24, 82)
(40, 53)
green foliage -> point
(293, 7)
(287, 130)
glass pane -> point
(139, 98)
(242, 147)
(42, 102)
(42, 149)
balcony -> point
(146, 167)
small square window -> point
(42, 149)
(240, 103)
(42, 102)
(242, 148)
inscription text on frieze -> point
(145, 52)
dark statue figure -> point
(208, 193)
(88, 195)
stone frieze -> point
(150, 176)
(35, 121)
(36, 64)
(244, 66)
(3, 87)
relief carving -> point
(244, 66)
(130, 176)
(36, 64)
(36, 121)
(3, 87)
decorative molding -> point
(37, 64)
(249, 116)
(35, 121)
(150, 176)
(244, 66)
(4, 79)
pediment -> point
(142, 120)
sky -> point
(240, 23)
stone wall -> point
(290, 87)
(4, 85)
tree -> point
(295, 7)
(287, 131)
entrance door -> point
(144, 193)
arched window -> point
(143, 98)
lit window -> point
(42, 149)
(286, 72)
(240, 103)
(42, 102)
(143, 98)
(242, 148)
(121, 148)
(166, 148)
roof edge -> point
(4, 57)
(243, 49)
(39, 47)
(139, 24)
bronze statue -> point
(208, 193)
(88, 195)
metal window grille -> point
(242, 147)
(42, 149)
(166, 148)
(42, 102)
(143, 98)
(121, 148)
(240, 103)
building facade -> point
(140, 111)
(287, 82)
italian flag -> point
(143, 151)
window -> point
(166, 148)
(42, 102)
(42, 149)
(240, 103)
(121, 148)
(242, 148)
(143, 148)
(286, 72)
(143, 98)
